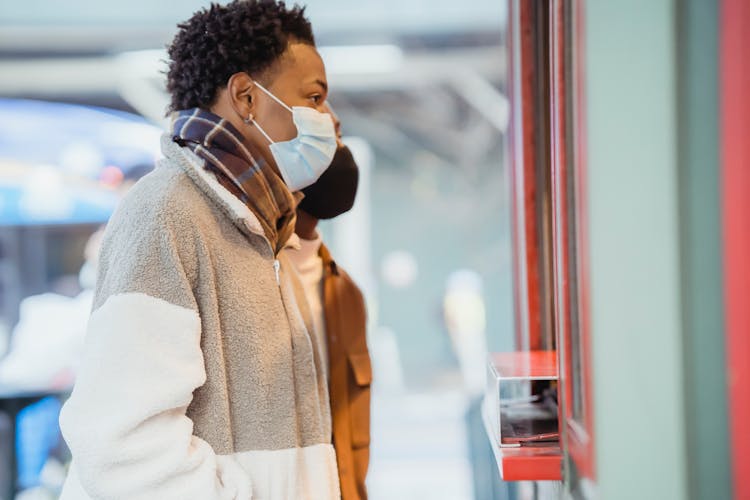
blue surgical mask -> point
(303, 159)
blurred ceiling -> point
(415, 76)
(91, 26)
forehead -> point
(299, 64)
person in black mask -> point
(339, 318)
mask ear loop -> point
(269, 94)
(251, 119)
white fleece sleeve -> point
(125, 422)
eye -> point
(316, 99)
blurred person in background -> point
(45, 351)
(465, 317)
(200, 378)
(339, 318)
(47, 343)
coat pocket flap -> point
(362, 368)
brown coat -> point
(350, 376)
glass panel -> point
(573, 156)
(543, 177)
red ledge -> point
(543, 463)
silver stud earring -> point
(249, 119)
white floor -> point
(419, 448)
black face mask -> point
(334, 192)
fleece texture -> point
(201, 378)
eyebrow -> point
(322, 84)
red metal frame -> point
(523, 158)
(524, 143)
(579, 435)
(735, 150)
(526, 463)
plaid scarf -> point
(254, 182)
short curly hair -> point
(221, 40)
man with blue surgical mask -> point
(202, 378)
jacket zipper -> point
(276, 263)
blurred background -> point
(420, 89)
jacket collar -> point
(328, 263)
(237, 211)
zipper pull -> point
(276, 267)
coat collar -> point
(237, 211)
(192, 165)
(328, 263)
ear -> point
(242, 94)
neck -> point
(306, 226)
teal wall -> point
(700, 228)
(637, 346)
